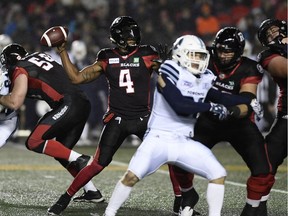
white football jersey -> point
(163, 117)
(5, 83)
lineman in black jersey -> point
(237, 75)
(128, 68)
(272, 34)
(39, 77)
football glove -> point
(257, 108)
(219, 110)
(163, 52)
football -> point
(54, 36)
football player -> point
(237, 75)
(128, 68)
(39, 77)
(183, 85)
(8, 117)
(272, 34)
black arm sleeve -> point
(180, 104)
(227, 99)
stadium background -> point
(30, 182)
(160, 21)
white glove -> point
(257, 108)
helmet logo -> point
(2, 59)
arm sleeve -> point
(226, 99)
(180, 104)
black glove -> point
(163, 52)
(219, 110)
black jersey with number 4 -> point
(128, 78)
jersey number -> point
(45, 64)
(125, 81)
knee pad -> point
(33, 146)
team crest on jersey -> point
(136, 60)
(114, 60)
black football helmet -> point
(266, 24)
(228, 39)
(123, 28)
(11, 54)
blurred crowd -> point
(161, 21)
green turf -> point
(31, 182)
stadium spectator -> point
(207, 24)
(272, 34)
(38, 76)
(237, 75)
(128, 68)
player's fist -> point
(54, 36)
(219, 110)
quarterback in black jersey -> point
(128, 68)
(237, 75)
(272, 34)
(39, 77)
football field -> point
(31, 182)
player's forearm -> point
(70, 68)
(10, 102)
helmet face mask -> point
(125, 32)
(11, 54)
(190, 52)
(229, 42)
(270, 30)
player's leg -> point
(209, 168)
(276, 142)
(111, 139)
(144, 162)
(250, 144)
(7, 129)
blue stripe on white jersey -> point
(168, 69)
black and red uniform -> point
(128, 78)
(70, 107)
(243, 134)
(277, 137)
(129, 97)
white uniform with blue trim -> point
(8, 117)
(168, 137)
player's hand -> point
(219, 110)
(164, 53)
(61, 48)
(257, 108)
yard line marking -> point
(199, 177)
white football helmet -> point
(4, 41)
(190, 52)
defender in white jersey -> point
(170, 127)
(8, 117)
